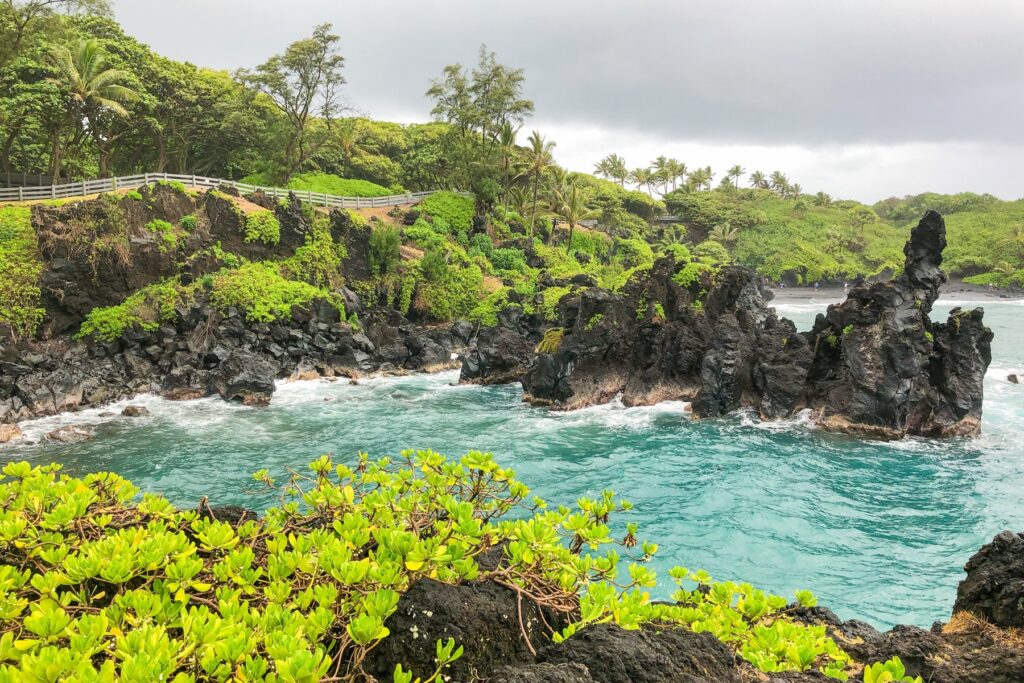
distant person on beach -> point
(816, 285)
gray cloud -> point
(812, 84)
(788, 71)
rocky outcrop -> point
(994, 587)
(881, 366)
(211, 352)
(873, 365)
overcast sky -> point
(860, 98)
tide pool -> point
(879, 531)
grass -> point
(19, 272)
(324, 183)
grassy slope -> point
(326, 183)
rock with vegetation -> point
(874, 364)
(883, 368)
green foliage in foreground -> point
(325, 183)
(19, 272)
(94, 587)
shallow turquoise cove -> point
(879, 531)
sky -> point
(863, 99)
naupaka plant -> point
(98, 584)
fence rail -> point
(87, 187)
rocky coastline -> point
(874, 365)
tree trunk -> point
(533, 214)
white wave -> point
(616, 414)
(802, 421)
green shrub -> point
(679, 252)
(20, 267)
(891, 671)
(133, 195)
(425, 236)
(263, 293)
(711, 253)
(594, 321)
(146, 308)
(385, 249)
(455, 210)
(482, 241)
(318, 261)
(486, 311)
(433, 265)
(137, 590)
(634, 253)
(549, 301)
(262, 226)
(453, 295)
(188, 222)
(508, 258)
(167, 233)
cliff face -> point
(874, 365)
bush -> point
(188, 222)
(424, 236)
(176, 597)
(455, 210)
(146, 308)
(20, 267)
(166, 232)
(508, 258)
(482, 242)
(385, 249)
(263, 293)
(549, 301)
(433, 265)
(452, 296)
(262, 226)
(634, 253)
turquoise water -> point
(879, 531)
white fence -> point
(87, 187)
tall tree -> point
(537, 160)
(507, 149)
(304, 82)
(699, 178)
(643, 177)
(478, 104)
(660, 167)
(759, 181)
(569, 204)
(675, 170)
(735, 172)
(779, 182)
(92, 90)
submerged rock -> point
(10, 433)
(70, 434)
(135, 411)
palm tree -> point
(699, 178)
(823, 199)
(795, 190)
(724, 234)
(661, 170)
(735, 173)
(569, 204)
(672, 234)
(538, 160)
(1017, 242)
(92, 89)
(507, 149)
(642, 177)
(675, 170)
(779, 182)
(759, 180)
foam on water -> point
(879, 530)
